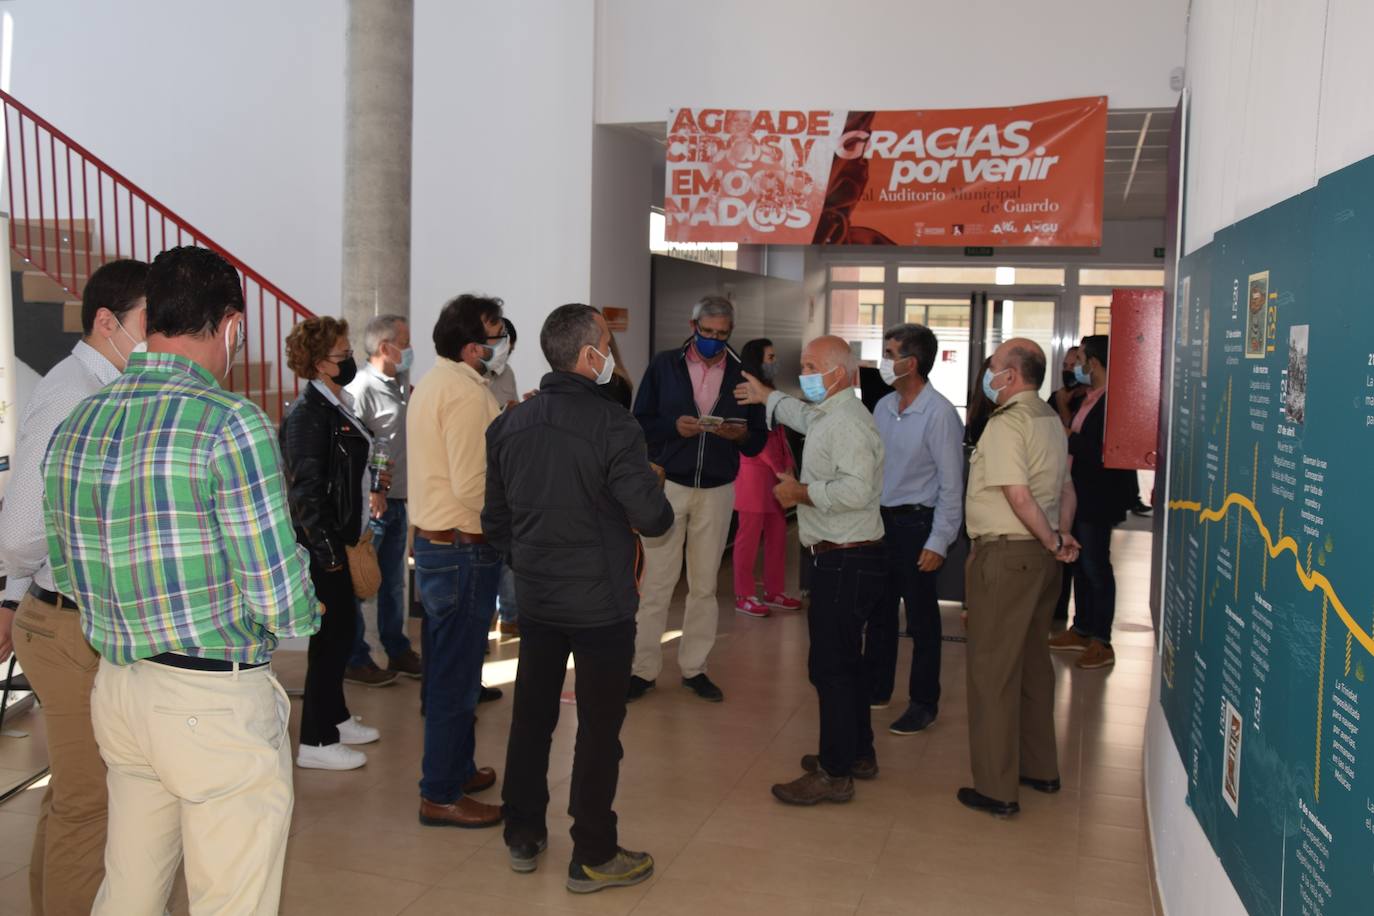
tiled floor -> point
(694, 792)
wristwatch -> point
(1058, 542)
(9, 605)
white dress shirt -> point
(23, 532)
(924, 445)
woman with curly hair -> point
(326, 450)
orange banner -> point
(1021, 175)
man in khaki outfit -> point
(1019, 508)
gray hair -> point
(382, 329)
(714, 307)
(566, 331)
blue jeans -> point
(505, 597)
(457, 585)
(389, 538)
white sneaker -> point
(329, 757)
(353, 731)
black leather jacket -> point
(326, 458)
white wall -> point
(623, 190)
(231, 114)
(1280, 95)
(502, 163)
(885, 54)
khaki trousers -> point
(1012, 588)
(702, 524)
(200, 765)
(68, 860)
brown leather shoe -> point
(466, 812)
(484, 778)
(814, 788)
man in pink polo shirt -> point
(696, 432)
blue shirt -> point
(925, 460)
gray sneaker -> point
(525, 857)
(623, 870)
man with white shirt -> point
(923, 491)
(42, 626)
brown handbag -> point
(364, 568)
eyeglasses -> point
(347, 354)
(713, 335)
(497, 338)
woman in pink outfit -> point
(760, 514)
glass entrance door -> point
(1022, 316)
(951, 320)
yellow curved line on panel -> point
(1310, 581)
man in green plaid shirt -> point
(168, 525)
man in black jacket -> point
(696, 431)
(568, 486)
(1104, 495)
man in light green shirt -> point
(837, 510)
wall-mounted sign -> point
(1020, 175)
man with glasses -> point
(696, 432)
(456, 572)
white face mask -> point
(889, 374)
(500, 352)
(608, 369)
(139, 346)
(240, 338)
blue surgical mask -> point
(407, 360)
(1081, 376)
(987, 384)
(813, 387)
(709, 347)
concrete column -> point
(379, 76)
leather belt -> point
(450, 536)
(990, 538)
(192, 663)
(904, 510)
(56, 599)
(827, 546)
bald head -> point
(1022, 362)
(832, 358)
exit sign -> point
(977, 252)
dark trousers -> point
(846, 589)
(907, 533)
(1061, 607)
(602, 657)
(323, 706)
(457, 585)
(1094, 583)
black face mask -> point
(1070, 381)
(348, 369)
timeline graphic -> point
(1267, 625)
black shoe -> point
(972, 798)
(525, 857)
(1141, 509)
(917, 718)
(1048, 786)
(489, 693)
(701, 685)
(638, 687)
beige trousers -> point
(702, 525)
(1012, 588)
(69, 843)
(200, 766)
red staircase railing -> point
(70, 213)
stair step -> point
(39, 287)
